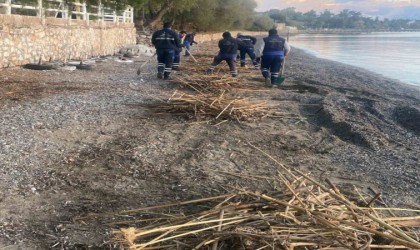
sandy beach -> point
(74, 143)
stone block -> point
(32, 21)
(18, 21)
(5, 21)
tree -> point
(218, 15)
(262, 23)
(277, 16)
(158, 9)
(310, 18)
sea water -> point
(392, 54)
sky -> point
(382, 8)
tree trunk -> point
(156, 19)
(139, 19)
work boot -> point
(175, 68)
(275, 80)
(160, 69)
(166, 76)
(242, 64)
(267, 82)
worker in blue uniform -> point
(177, 58)
(189, 40)
(166, 42)
(275, 49)
(247, 48)
(228, 51)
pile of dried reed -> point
(202, 66)
(204, 63)
(304, 215)
(217, 107)
(212, 83)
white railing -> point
(75, 10)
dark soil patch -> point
(300, 88)
(343, 130)
(368, 105)
(25, 90)
(408, 118)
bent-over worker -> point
(228, 51)
(247, 48)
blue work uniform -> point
(247, 48)
(228, 51)
(272, 57)
(177, 58)
(166, 42)
(188, 41)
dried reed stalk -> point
(306, 214)
(219, 107)
(216, 83)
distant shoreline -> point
(374, 77)
(308, 51)
(389, 54)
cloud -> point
(385, 8)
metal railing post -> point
(84, 11)
(100, 16)
(39, 9)
(65, 12)
(8, 7)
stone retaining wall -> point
(26, 39)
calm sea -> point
(395, 55)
